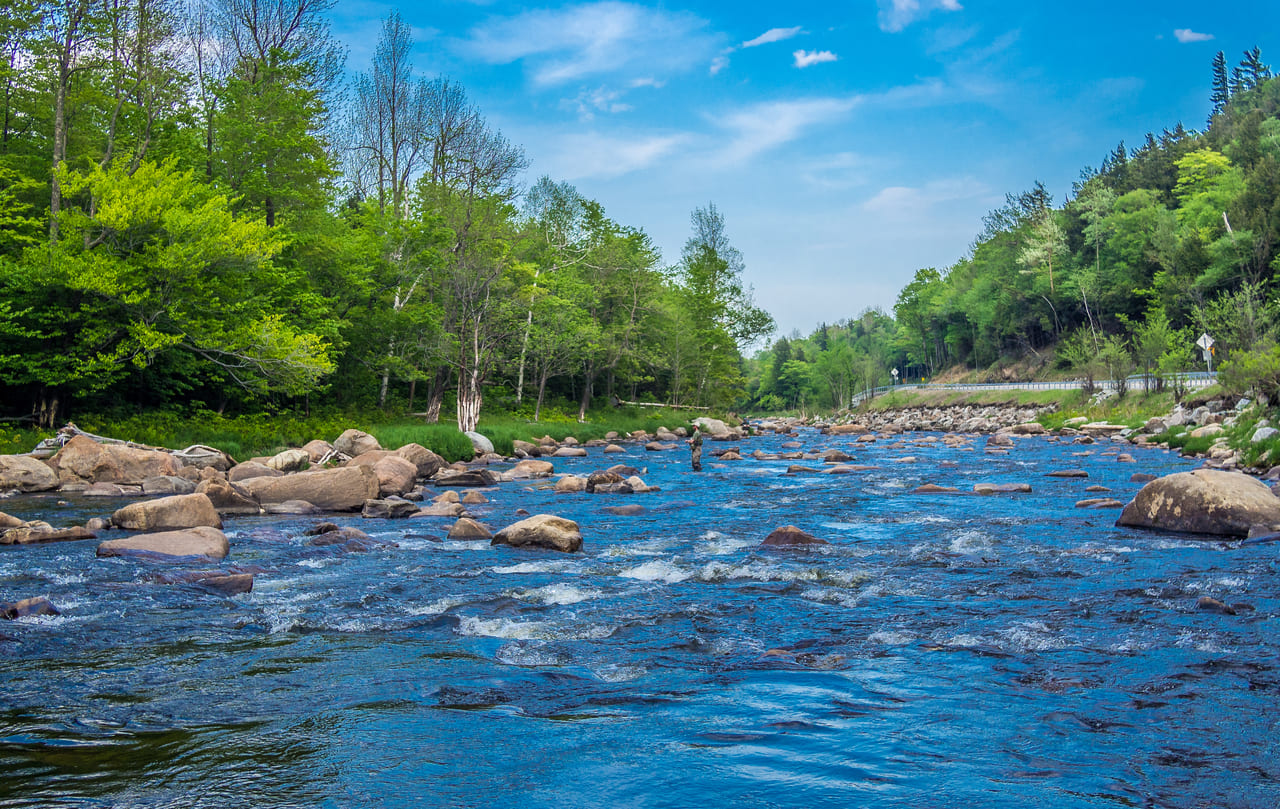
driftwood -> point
(619, 402)
(193, 454)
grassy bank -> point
(249, 436)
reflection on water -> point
(941, 650)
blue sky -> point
(847, 144)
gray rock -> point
(479, 443)
(1262, 434)
(199, 541)
(542, 531)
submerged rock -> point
(933, 488)
(542, 531)
(39, 605)
(789, 536)
(39, 534)
(1002, 488)
(198, 541)
(1203, 501)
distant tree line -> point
(1162, 243)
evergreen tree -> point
(1221, 85)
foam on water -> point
(559, 594)
(547, 566)
(617, 673)
(891, 637)
(659, 570)
(505, 628)
(436, 607)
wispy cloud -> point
(761, 127)
(1185, 35)
(908, 203)
(578, 41)
(601, 99)
(772, 35)
(805, 58)
(896, 15)
(719, 63)
(599, 156)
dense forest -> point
(1164, 242)
(203, 208)
(199, 209)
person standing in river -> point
(695, 448)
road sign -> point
(1205, 341)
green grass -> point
(249, 436)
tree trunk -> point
(542, 387)
(469, 400)
(585, 401)
(435, 395)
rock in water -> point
(198, 541)
(168, 514)
(28, 606)
(789, 536)
(26, 474)
(1203, 501)
(542, 531)
(342, 489)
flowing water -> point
(1009, 650)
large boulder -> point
(1203, 501)
(83, 458)
(39, 533)
(395, 474)
(251, 469)
(291, 460)
(317, 450)
(342, 489)
(167, 484)
(479, 443)
(39, 605)
(354, 443)
(168, 514)
(427, 462)
(229, 498)
(529, 469)
(26, 474)
(542, 531)
(466, 478)
(713, 427)
(789, 536)
(199, 541)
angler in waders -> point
(695, 448)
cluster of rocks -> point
(974, 419)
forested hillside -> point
(199, 210)
(1166, 241)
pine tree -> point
(1255, 71)
(1221, 86)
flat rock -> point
(198, 541)
(392, 508)
(342, 489)
(40, 535)
(1099, 502)
(529, 469)
(212, 580)
(613, 449)
(167, 484)
(542, 531)
(1002, 488)
(440, 510)
(631, 510)
(1067, 473)
(932, 488)
(85, 459)
(570, 452)
(172, 513)
(1203, 501)
(251, 469)
(292, 508)
(466, 479)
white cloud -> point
(906, 203)
(577, 41)
(589, 102)
(719, 63)
(597, 156)
(898, 14)
(764, 126)
(1185, 35)
(805, 58)
(772, 35)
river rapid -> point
(943, 650)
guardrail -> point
(1194, 379)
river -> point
(1007, 650)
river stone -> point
(542, 531)
(529, 469)
(1141, 477)
(466, 528)
(1028, 428)
(466, 478)
(570, 484)
(933, 488)
(447, 496)
(172, 513)
(789, 536)
(1099, 502)
(607, 483)
(392, 508)
(712, 427)
(526, 449)
(26, 474)
(353, 443)
(229, 498)
(85, 459)
(1067, 473)
(396, 475)
(1002, 488)
(1203, 501)
(317, 450)
(1263, 434)
(291, 460)
(38, 534)
(570, 452)
(426, 461)
(846, 429)
(479, 444)
(342, 489)
(1210, 604)
(103, 489)
(199, 541)
(38, 605)
(251, 469)
(631, 510)
(213, 580)
(474, 498)
(167, 484)
(440, 510)
(639, 486)
(9, 521)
